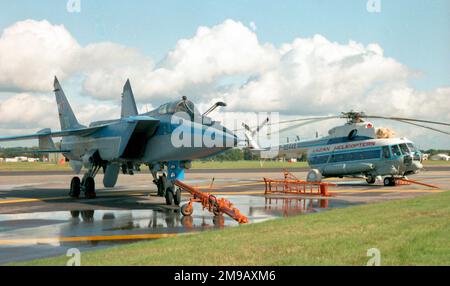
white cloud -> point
(224, 62)
(32, 112)
(228, 49)
(32, 52)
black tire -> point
(160, 185)
(389, 181)
(177, 197)
(75, 187)
(185, 211)
(370, 179)
(169, 196)
(393, 184)
(89, 188)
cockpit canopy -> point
(178, 106)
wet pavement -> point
(42, 234)
(38, 220)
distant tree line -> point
(435, 151)
(239, 155)
(20, 151)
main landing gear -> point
(167, 190)
(87, 184)
(370, 179)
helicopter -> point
(354, 149)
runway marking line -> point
(29, 200)
(50, 240)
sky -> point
(295, 57)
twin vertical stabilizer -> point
(67, 118)
(128, 103)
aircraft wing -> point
(47, 132)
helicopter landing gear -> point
(314, 175)
(370, 179)
(389, 181)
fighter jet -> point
(166, 139)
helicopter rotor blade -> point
(423, 126)
(406, 119)
(306, 119)
(303, 123)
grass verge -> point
(407, 232)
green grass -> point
(39, 166)
(407, 232)
(32, 166)
(436, 163)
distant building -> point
(55, 158)
(440, 157)
(20, 159)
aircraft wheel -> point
(177, 197)
(314, 176)
(389, 181)
(75, 187)
(160, 185)
(187, 210)
(169, 196)
(89, 188)
(370, 179)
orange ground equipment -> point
(292, 185)
(403, 181)
(209, 202)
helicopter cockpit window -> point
(404, 149)
(411, 147)
(396, 150)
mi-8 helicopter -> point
(355, 149)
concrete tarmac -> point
(38, 219)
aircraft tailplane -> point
(67, 118)
(128, 103)
(249, 136)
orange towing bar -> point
(292, 185)
(209, 202)
(399, 180)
